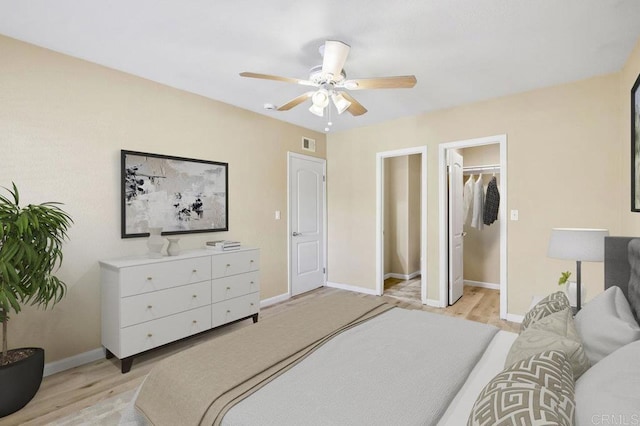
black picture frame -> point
(635, 146)
(181, 195)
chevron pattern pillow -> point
(555, 302)
(556, 331)
(538, 390)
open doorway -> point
(401, 223)
(484, 249)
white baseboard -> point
(73, 361)
(515, 318)
(434, 303)
(352, 288)
(273, 300)
(401, 276)
(491, 286)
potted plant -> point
(564, 277)
(570, 288)
(31, 240)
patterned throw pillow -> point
(556, 331)
(555, 302)
(538, 390)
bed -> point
(358, 361)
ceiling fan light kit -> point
(317, 110)
(330, 76)
(340, 102)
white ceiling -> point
(461, 51)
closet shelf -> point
(492, 168)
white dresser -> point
(148, 303)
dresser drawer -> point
(233, 309)
(160, 276)
(158, 304)
(228, 264)
(151, 334)
(235, 286)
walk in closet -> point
(481, 229)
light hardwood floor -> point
(70, 391)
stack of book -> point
(224, 245)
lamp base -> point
(571, 290)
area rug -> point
(103, 413)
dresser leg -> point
(109, 354)
(126, 364)
(255, 318)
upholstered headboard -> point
(622, 268)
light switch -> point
(514, 214)
(277, 214)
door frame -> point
(443, 250)
(380, 157)
(290, 156)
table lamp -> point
(577, 244)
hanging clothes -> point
(491, 203)
(478, 204)
(467, 200)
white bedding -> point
(396, 383)
(491, 363)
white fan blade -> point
(335, 55)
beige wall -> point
(402, 214)
(62, 124)
(415, 174)
(396, 203)
(482, 247)
(564, 166)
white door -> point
(306, 223)
(456, 222)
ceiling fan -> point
(330, 83)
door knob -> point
(296, 234)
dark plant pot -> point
(20, 382)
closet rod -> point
(493, 168)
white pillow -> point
(606, 324)
(609, 392)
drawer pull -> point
(251, 261)
(228, 288)
(228, 311)
(228, 265)
(195, 322)
(194, 296)
(251, 303)
(149, 278)
(149, 335)
(251, 282)
(195, 270)
(149, 306)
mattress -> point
(396, 392)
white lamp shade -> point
(577, 244)
(320, 98)
(340, 102)
(317, 110)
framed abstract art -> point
(180, 195)
(635, 146)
